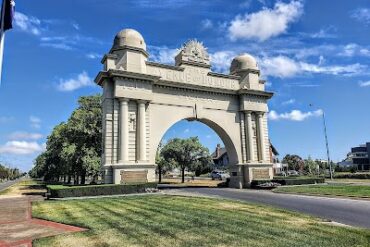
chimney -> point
(218, 150)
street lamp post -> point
(327, 144)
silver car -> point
(219, 175)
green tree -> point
(84, 127)
(73, 149)
(294, 162)
(310, 166)
(185, 154)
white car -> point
(293, 173)
(220, 175)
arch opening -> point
(210, 135)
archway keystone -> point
(143, 99)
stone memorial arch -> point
(143, 99)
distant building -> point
(321, 161)
(361, 157)
(221, 159)
(347, 162)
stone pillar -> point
(249, 134)
(141, 131)
(243, 137)
(261, 137)
(123, 137)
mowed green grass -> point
(330, 189)
(159, 220)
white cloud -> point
(325, 33)
(207, 24)
(266, 23)
(21, 147)
(71, 84)
(93, 55)
(60, 46)
(221, 60)
(347, 70)
(19, 135)
(294, 115)
(288, 102)
(361, 15)
(163, 54)
(279, 66)
(282, 66)
(187, 130)
(28, 24)
(349, 50)
(352, 49)
(69, 42)
(35, 122)
(364, 83)
(76, 26)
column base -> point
(130, 173)
(241, 175)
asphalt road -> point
(7, 184)
(346, 211)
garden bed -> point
(289, 181)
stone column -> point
(141, 131)
(248, 122)
(243, 137)
(261, 137)
(123, 137)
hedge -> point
(62, 191)
(352, 175)
(289, 181)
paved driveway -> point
(346, 211)
(7, 184)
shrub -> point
(61, 191)
(353, 175)
(288, 181)
(299, 181)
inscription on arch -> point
(194, 76)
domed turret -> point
(130, 38)
(243, 62)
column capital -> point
(123, 100)
(260, 113)
(142, 101)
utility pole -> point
(327, 146)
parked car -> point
(282, 174)
(293, 173)
(220, 175)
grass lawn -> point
(330, 189)
(159, 220)
(25, 187)
(350, 180)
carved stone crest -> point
(132, 121)
(193, 51)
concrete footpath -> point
(19, 229)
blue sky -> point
(310, 52)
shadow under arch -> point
(220, 131)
